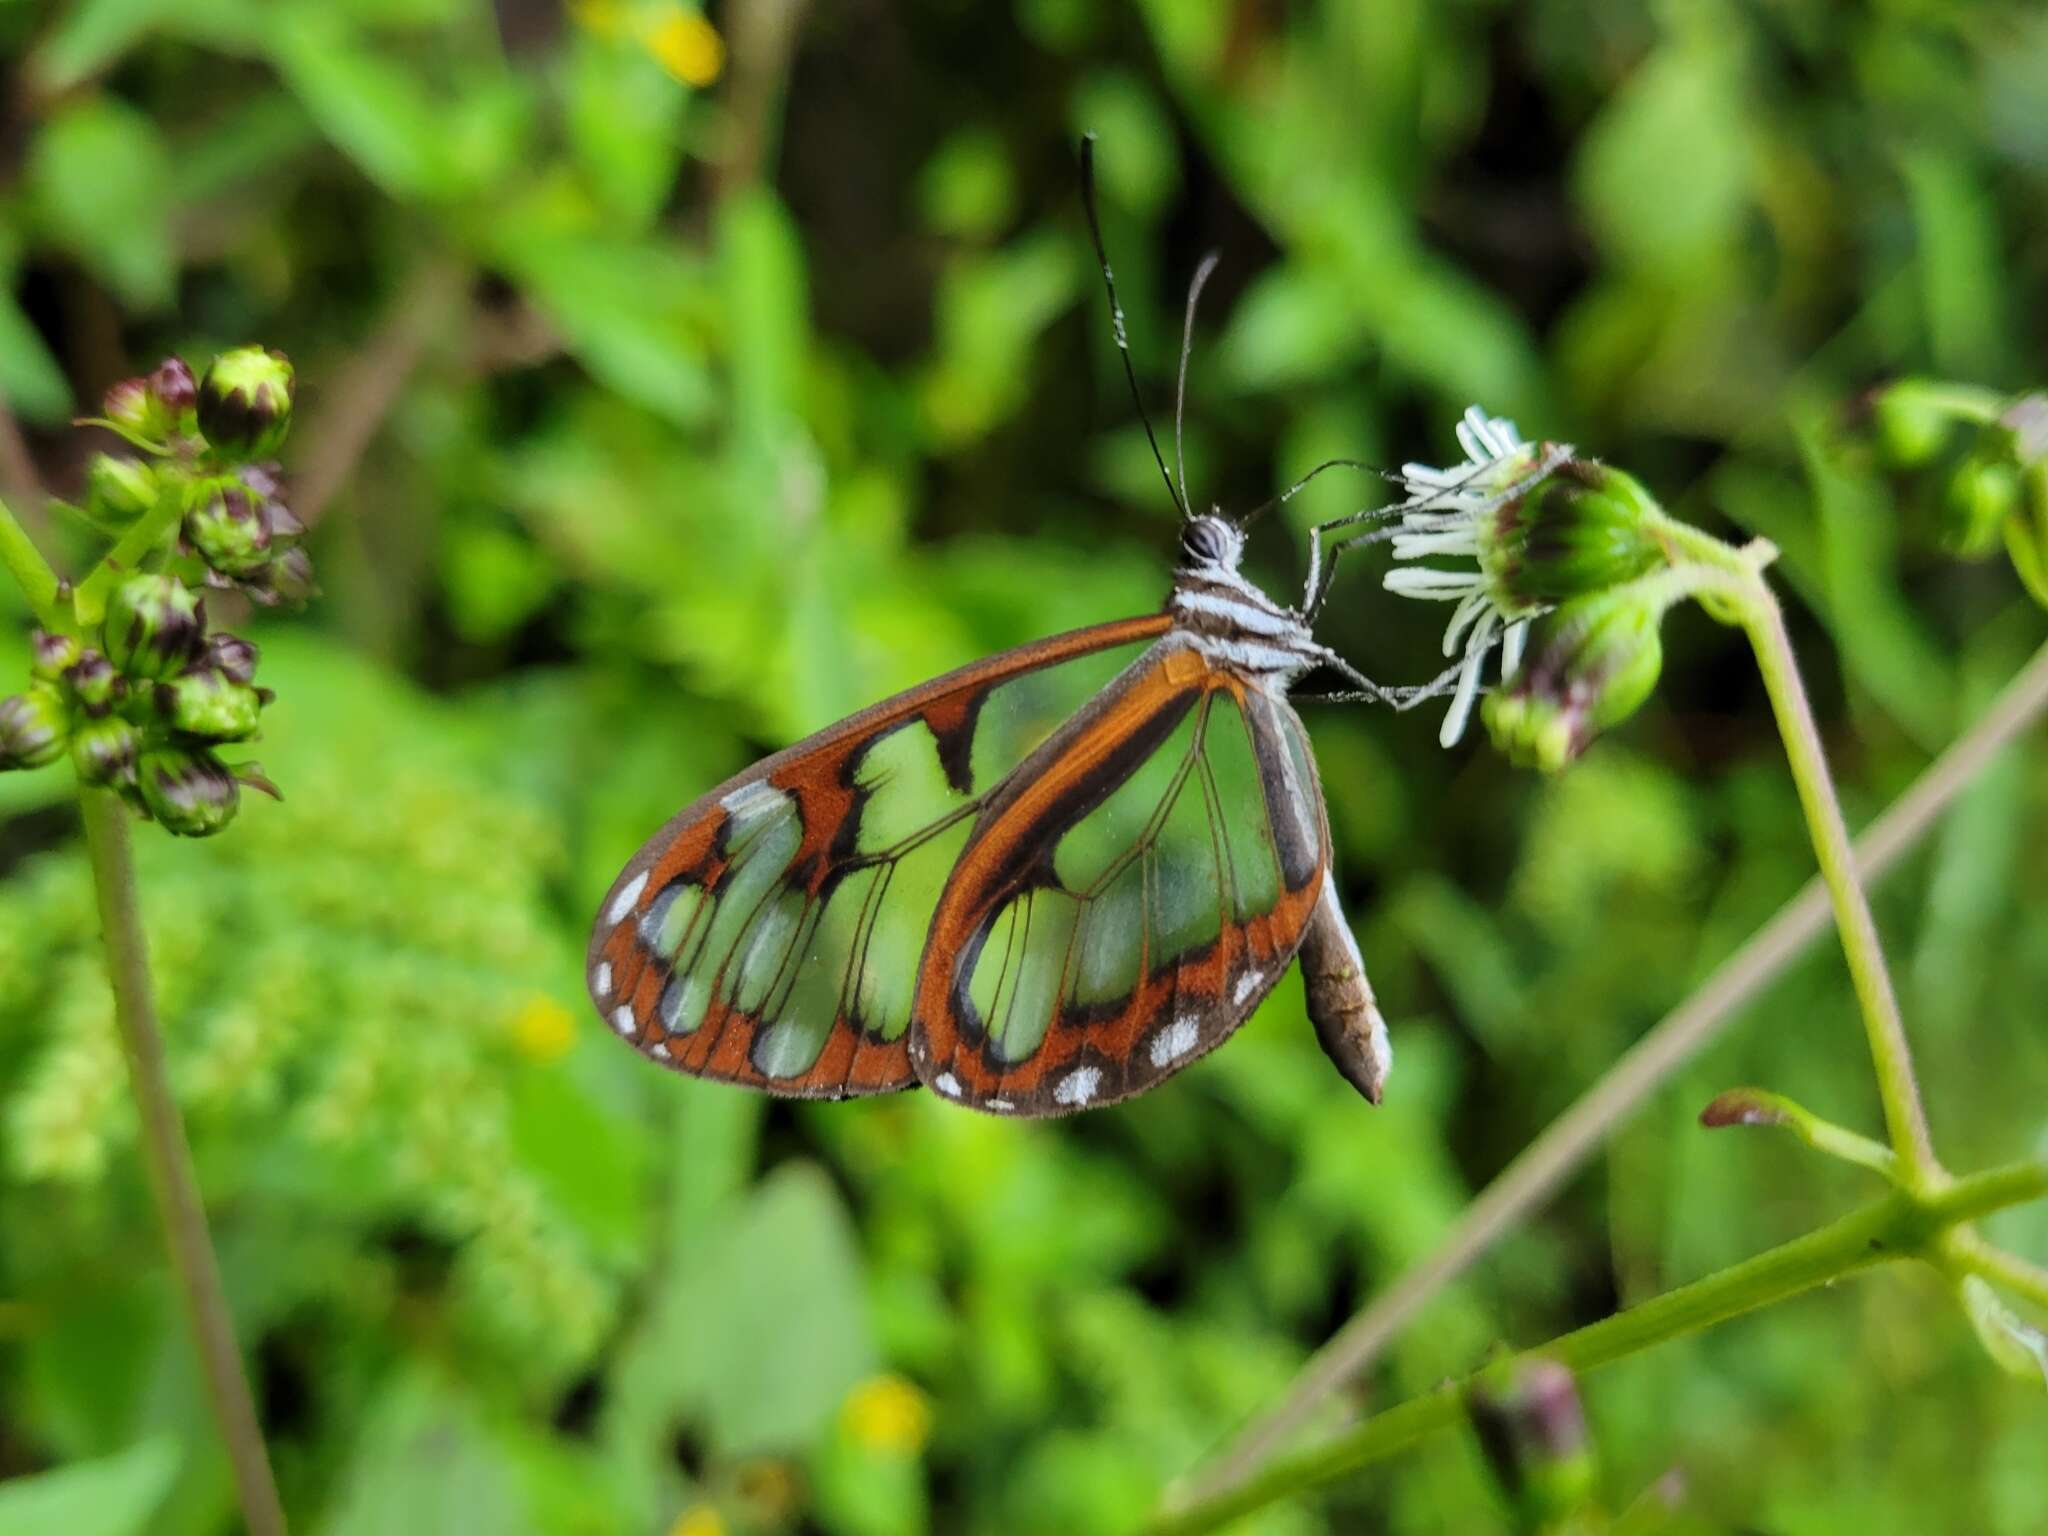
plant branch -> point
(1905, 1118)
(143, 537)
(169, 1162)
(1967, 1252)
(1900, 1225)
(31, 572)
(1542, 1167)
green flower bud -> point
(1581, 529)
(1981, 494)
(190, 792)
(1911, 423)
(106, 751)
(231, 656)
(287, 581)
(118, 488)
(245, 403)
(150, 411)
(155, 626)
(1532, 1430)
(209, 705)
(93, 682)
(34, 727)
(1601, 659)
(229, 525)
(49, 654)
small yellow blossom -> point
(686, 45)
(542, 1029)
(888, 1414)
(698, 1520)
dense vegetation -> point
(669, 387)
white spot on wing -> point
(1000, 1104)
(751, 799)
(659, 1052)
(602, 982)
(1079, 1085)
(1247, 984)
(1175, 1041)
(947, 1084)
(622, 1021)
(628, 894)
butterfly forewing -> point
(771, 933)
(1126, 896)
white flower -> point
(1443, 515)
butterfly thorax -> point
(1225, 615)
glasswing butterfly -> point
(1038, 884)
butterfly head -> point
(1208, 542)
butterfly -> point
(1039, 884)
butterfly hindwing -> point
(1126, 897)
(770, 934)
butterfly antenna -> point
(1293, 490)
(1180, 388)
(1116, 316)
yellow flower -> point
(542, 1029)
(698, 1520)
(886, 1413)
(686, 45)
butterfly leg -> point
(1316, 589)
(1340, 1001)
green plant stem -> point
(31, 572)
(1905, 1118)
(1903, 1224)
(1967, 1253)
(1540, 1169)
(168, 1160)
(144, 537)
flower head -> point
(190, 793)
(1601, 660)
(33, 727)
(245, 402)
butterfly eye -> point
(1205, 541)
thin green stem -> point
(1905, 1118)
(31, 572)
(1967, 1253)
(168, 1160)
(1900, 1225)
(144, 537)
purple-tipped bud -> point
(209, 705)
(287, 581)
(132, 409)
(1601, 660)
(232, 656)
(174, 385)
(1533, 1431)
(33, 727)
(93, 682)
(191, 793)
(106, 751)
(229, 527)
(1582, 528)
(49, 654)
(155, 626)
(118, 488)
(245, 403)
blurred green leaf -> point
(114, 1496)
(31, 383)
(377, 113)
(99, 173)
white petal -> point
(1470, 440)
(1425, 474)
(1426, 582)
(1468, 610)
(1460, 712)
(1512, 643)
(1461, 540)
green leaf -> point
(624, 119)
(2018, 1346)
(90, 36)
(114, 1496)
(99, 176)
(375, 112)
(31, 383)
(424, 1462)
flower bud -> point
(93, 682)
(229, 525)
(245, 403)
(1981, 494)
(155, 626)
(49, 654)
(209, 705)
(118, 488)
(1582, 528)
(174, 386)
(106, 751)
(190, 792)
(1530, 1426)
(33, 727)
(1910, 423)
(232, 656)
(1600, 661)
(287, 581)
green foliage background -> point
(723, 410)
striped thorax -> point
(1228, 619)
